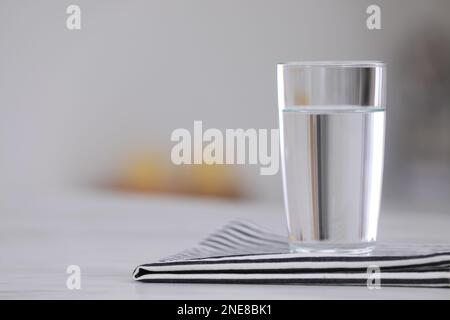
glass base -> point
(363, 248)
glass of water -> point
(332, 122)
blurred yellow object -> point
(301, 99)
(213, 180)
(144, 172)
(148, 173)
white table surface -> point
(107, 235)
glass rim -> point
(334, 64)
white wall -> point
(72, 102)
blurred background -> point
(94, 109)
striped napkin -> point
(242, 252)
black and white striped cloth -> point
(242, 252)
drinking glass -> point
(332, 123)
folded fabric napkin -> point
(242, 252)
